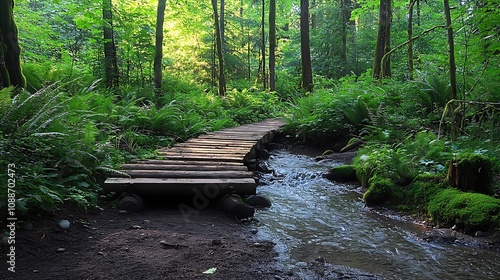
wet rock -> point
(479, 234)
(263, 154)
(262, 166)
(441, 235)
(234, 205)
(259, 201)
(319, 158)
(254, 231)
(60, 250)
(130, 203)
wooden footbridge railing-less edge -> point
(214, 162)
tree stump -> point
(471, 173)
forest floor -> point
(157, 243)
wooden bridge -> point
(215, 162)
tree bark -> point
(222, 78)
(346, 7)
(263, 46)
(451, 50)
(272, 45)
(10, 62)
(410, 41)
(222, 25)
(110, 59)
(382, 67)
(305, 46)
(158, 62)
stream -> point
(313, 218)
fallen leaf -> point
(210, 271)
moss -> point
(469, 211)
(380, 190)
(421, 191)
(342, 173)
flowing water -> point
(312, 218)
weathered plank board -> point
(180, 187)
(191, 167)
(214, 161)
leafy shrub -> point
(51, 146)
(469, 211)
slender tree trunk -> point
(222, 78)
(410, 41)
(110, 59)
(346, 7)
(272, 45)
(158, 62)
(263, 46)
(455, 123)
(305, 46)
(223, 25)
(10, 62)
(451, 50)
(382, 68)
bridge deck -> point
(213, 164)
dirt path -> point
(153, 244)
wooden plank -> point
(193, 167)
(222, 141)
(230, 137)
(181, 162)
(228, 151)
(162, 186)
(188, 174)
(204, 157)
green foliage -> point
(469, 211)
(51, 146)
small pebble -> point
(60, 250)
(254, 231)
(64, 224)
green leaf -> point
(210, 271)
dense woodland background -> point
(416, 83)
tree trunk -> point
(346, 7)
(222, 25)
(410, 41)
(10, 62)
(451, 44)
(263, 46)
(158, 62)
(222, 78)
(305, 46)
(272, 45)
(110, 59)
(382, 69)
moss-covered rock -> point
(472, 173)
(469, 211)
(342, 173)
(380, 190)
